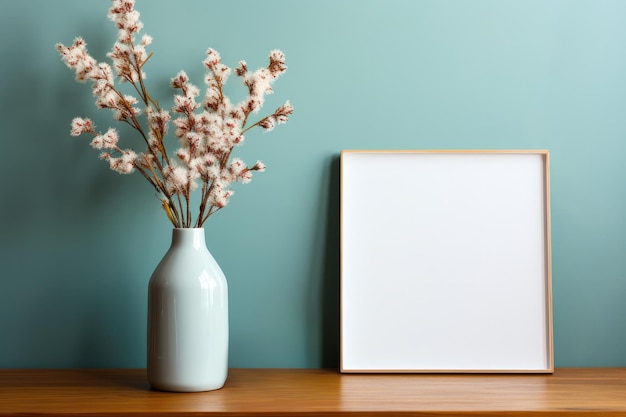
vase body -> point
(187, 318)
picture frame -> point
(446, 261)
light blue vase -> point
(187, 318)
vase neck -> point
(189, 236)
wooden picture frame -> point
(446, 261)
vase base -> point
(185, 388)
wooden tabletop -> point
(315, 392)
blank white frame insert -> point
(446, 262)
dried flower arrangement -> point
(207, 131)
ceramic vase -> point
(187, 318)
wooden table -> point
(315, 392)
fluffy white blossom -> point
(219, 196)
(212, 58)
(78, 59)
(259, 166)
(80, 125)
(107, 141)
(176, 179)
(280, 116)
(180, 80)
(268, 123)
(123, 164)
(158, 120)
(128, 162)
(208, 126)
(184, 155)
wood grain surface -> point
(316, 392)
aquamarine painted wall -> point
(79, 242)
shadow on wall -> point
(330, 292)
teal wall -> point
(78, 242)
